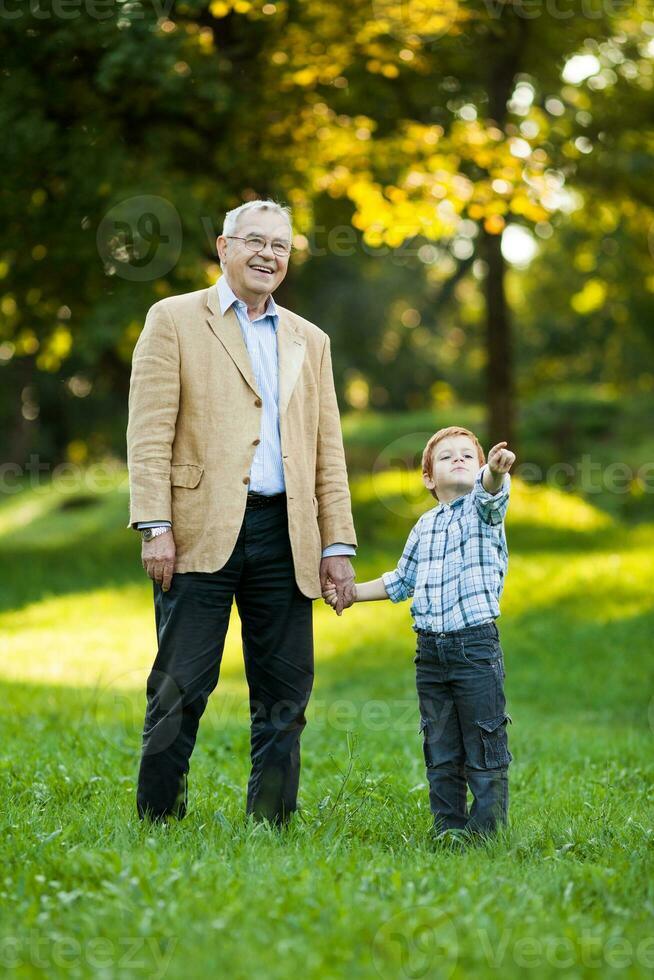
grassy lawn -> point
(353, 888)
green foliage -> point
(395, 127)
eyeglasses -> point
(256, 244)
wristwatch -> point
(148, 533)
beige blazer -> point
(194, 422)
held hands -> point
(337, 578)
(158, 559)
(330, 596)
(500, 460)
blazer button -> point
(258, 402)
(256, 442)
(246, 479)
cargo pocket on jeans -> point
(426, 747)
(494, 741)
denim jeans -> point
(460, 681)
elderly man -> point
(239, 487)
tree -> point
(417, 125)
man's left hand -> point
(337, 571)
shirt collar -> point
(455, 503)
(227, 298)
(445, 507)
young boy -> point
(454, 564)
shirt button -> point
(246, 479)
(256, 442)
(258, 403)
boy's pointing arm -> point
(492, 486)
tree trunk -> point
(506, 47)
(499, 370)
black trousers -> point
(192, 620)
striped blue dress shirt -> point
(455, 561)
(260, 336)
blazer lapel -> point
(228, 331)
(291, 346)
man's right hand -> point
(158, 558)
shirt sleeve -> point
(141, 524)
(491, 507)
(339, 549)
(400, 583)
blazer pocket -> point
(185, 475)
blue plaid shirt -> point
(455, 561)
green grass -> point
(353, 888)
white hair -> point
(232, 217)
